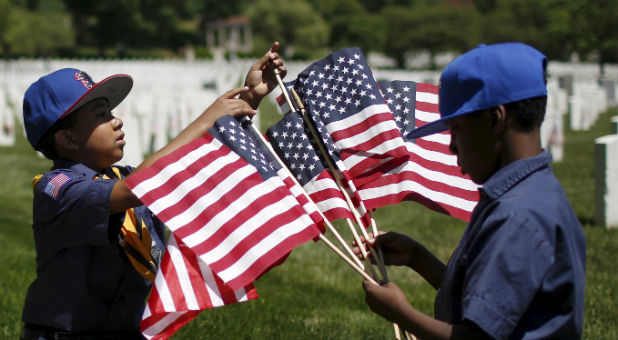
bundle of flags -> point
(365, 123)
(237, 207)
(225, 201)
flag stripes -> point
(220, 206)
(182, 288)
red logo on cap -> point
(84, 78)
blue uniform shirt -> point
(519, 270)
(84, 280)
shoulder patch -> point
(52, 188)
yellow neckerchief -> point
(136, 244)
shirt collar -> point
(505, 178)
(75, 166)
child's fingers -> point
(234, 92)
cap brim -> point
(113, 88)
(428, 129)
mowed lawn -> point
(314, 294)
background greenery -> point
(309, 28)
(314, 294)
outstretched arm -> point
(241, 101)
(390, 302)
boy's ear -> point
(498, 118)
(66, 139)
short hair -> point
(47, 144)
(527, 114)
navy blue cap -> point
(485, 77)
(59, 93)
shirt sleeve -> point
(71, 213)
(506, 265)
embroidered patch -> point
(84, 78)
(55, 184)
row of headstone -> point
(168, 94)
(606, 177)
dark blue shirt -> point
(519, 270)
(84, 280)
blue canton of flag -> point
(292, 141)
(401, 98)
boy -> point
(519, 270)
(97, 246)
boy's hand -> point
(387, 300)
(397, 249)
(228, 104)
(261, 79)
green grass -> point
(314, 294)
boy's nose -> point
(117, 123)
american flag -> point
(183, 287)
(220, 195)
(431, 176)
(341, 92)
(292, 141)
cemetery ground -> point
(314, 294)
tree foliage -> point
(561, 29)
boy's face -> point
(473, 142)
(98, 134)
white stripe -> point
(381, 149)
(425, 116)
(256, 252)
(241, 295)
(173, 168)
(412, 186)
(229, 212)
(427, 97)
(193, 182)
(436, 176)
(246, 228)
(357, 118)
(431, 155)
(441, 138)
(183, 276)
(165, 296)
(228, 184)
(211, 285)
(160, 325)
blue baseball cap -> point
(485, 77)
(59, 93)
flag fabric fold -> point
(220, 196)
(431, 175)
(183, 287)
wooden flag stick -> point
(336, 174)
(352, 264)
(326, 221)
(374, 229)
(285, 92)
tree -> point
(37, 33)
(433, 29)
(301, 31)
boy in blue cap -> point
(519, 270)
(97, 246)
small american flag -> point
(431, 176)
(52, 188)
(183, 287)
(340, 92)
(220, 195)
